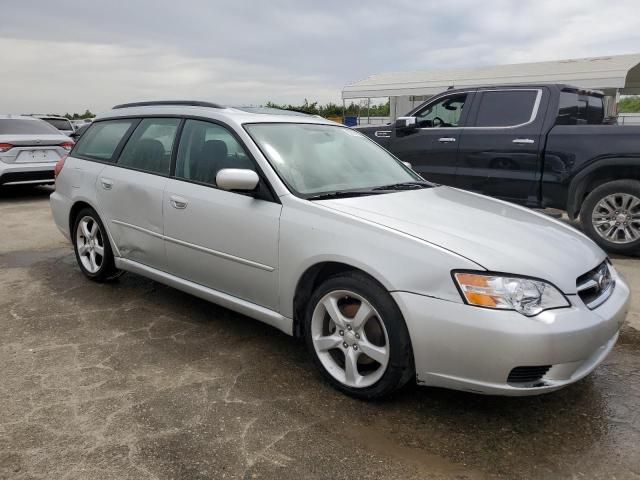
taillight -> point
(67, 146)
(5, 146)
(58, 168)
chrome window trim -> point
(534, 112)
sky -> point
(71, 55)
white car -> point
(311, 227)
(29, 150)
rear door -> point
(223, 240)
(432, 148)
(130, 192)
(500, 152)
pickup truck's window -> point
(205, 149)
(59, 123)
(102, 138)
(444, 113)
(579, 109)
(313, 159)
(506, 108)
(150, 145)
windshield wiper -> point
(405, 186)
(344, 194)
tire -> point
(598, 207)
(332, 344)
(89, 239)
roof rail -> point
(156, 103)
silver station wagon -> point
(312, 228)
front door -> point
(223, 240)
(432, 147)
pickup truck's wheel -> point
(610, 215)
(357, 336)
(92, 247)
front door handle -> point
(106, 183)
(178, 202)
(524, 141)
(446, 139)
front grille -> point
(595, 286)
(521, 375)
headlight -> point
(524, 295)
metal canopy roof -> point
(613, 72)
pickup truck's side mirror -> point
(406, 123)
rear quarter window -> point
(101, 140)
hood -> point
(497, 235)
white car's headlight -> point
(524, 295)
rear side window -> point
(100, 141)
(506, 108)
(21, 126)
(580, 109)
(149, 148)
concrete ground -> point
(134, 380)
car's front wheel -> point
(92, 247)
(357, 336)
(610, 215)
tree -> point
(629, 104)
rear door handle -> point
(106, 183)
(524, 141)
(178, 202)
(446, 139)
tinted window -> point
(443, 113)
(59, 123)
(205, 149)
(102, 138)
(576, 109)
(21, 126)
(149, 148)
(506, 108)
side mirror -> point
(406, 123)
(240, 179)
(408, 165)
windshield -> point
(59, 123)
(313, 159)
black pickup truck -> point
(542, 146)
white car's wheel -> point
(357, 336)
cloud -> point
(70, 55)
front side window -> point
(205, 149)
(313, 159)
(506, 108)
(102, 138)
(149, 148)
(446, 112)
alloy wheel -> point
(616, 218)
(90, 244)
(350, 339)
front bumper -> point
(26, 173)
(474, 349)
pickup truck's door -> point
(432, 147)
(500, 151)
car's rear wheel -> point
(610, 215)
(357, 337)
(92, 247)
